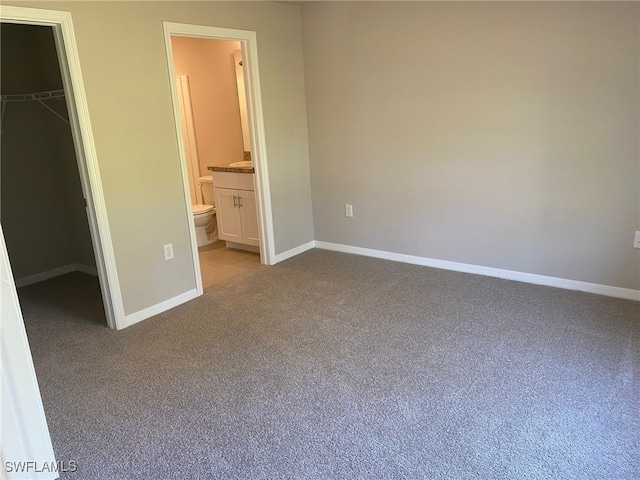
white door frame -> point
(86, 156)
(249, 45)
(24, 433)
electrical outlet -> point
(348, 210)
(636, 240)
(168, 251)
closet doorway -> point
(43, 202)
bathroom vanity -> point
(235, 201)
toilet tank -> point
(206, 187)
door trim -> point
(249, 45)
(86, 155)
(24, 432)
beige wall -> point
(126, 78)
(498, 134)
(43, 214)
(214, 97)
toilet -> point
(204, 214)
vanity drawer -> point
(240, 181)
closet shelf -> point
(34, 97)
(27, 97)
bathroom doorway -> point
(216, 123)
(218, 262)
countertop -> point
(228, 168)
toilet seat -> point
(202, 210)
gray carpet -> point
(337, 366)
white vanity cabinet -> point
(236, 212)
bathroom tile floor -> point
(218, 263)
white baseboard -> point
(55, 272)
(294, 251)
(191, 294)
(156, 309)
(533, 278)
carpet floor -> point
(331, 365)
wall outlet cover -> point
(348, 210)
(168, 251)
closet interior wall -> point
(42, 208)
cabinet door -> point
(228, 215)
(249, 218)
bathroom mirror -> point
(242, 100)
